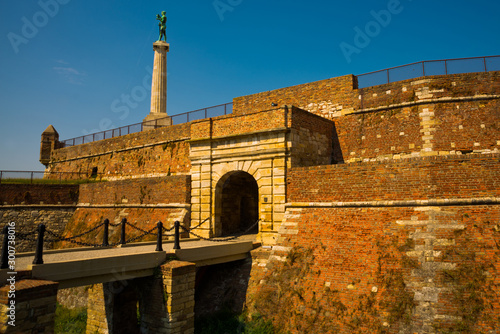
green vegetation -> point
(70, 321)
(227, 322)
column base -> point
(154, 121)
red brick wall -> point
(38, 193)
(375, 262)
(159, 151)
(448, 177)
(388, 121)
(339, 90)
(170, 189)
(128, 199)
(311, 137)
(379, 257)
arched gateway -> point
(238, 179)
(236, 204)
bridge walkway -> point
(85, 266)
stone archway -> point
(236, 203)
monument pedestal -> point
(154, 121)
(158, 116)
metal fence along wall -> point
(219, 110)
(429, 67)
(393, 74)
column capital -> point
(161, 45)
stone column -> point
(178, 284)
(158, 113)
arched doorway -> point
(237, 204)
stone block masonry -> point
(35, 307)
(28, 217)
(165, 301)
(260, 145)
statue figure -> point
(162, 24)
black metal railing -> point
(158, 230)
(39, 237)
(219, 110)
(45, 177)
(429, 67)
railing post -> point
(122, 238)
(176, 241)
(445, 67)
(159, 227)
(388, 80)
(31, 177)
(105, 242)
(1, 177)
(39, 245)
(485, 68)
(423, 68)
(5, 253)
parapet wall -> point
(13, 194)
(430, 178)
(436, 115)
(152, 153)
(396, 245)
(325, 94)
(143, 202)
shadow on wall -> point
(222, 287)
(337, 157)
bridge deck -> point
(84, 266)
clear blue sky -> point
(65, 62)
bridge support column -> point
(167, 306)
(31, 308)
(165, 301)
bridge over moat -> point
(160, 284)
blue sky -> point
(65, 62)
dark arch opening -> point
(239, 203)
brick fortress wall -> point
(396, 240)
(436, 115)
(143, 202)
(28, 205)
(159, 152)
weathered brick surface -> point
(148, 153)
(311, 139)
(377, 243)
(170, 189)
(449, 177)
(38, 194)
(335, 91)
(351, 248)
(138, 200)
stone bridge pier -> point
(162, 303)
